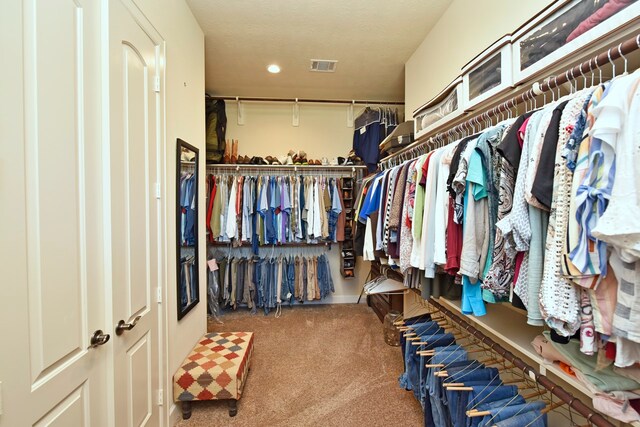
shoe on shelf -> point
(234, 151)
(325, 161)
(226, 158)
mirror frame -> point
(183, 310)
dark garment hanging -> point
(455, 162)
(510, 148)
(366, 141)
(543, 182)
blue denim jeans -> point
(459, 399)
(451, 367)
(505, 412)
(405, 379)
(445, 356)
(418, 376)
(483, 391)
(528, 419)
(435, 338)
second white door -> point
(134, 239)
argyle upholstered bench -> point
(216, 369)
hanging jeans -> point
(509, 411)
(431, 390)
(528, 419)
(410, 351)
(482, 391)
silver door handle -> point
(123, 326)
(98, 338)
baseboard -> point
(174, 414)
(337, 299)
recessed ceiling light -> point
(273, 68)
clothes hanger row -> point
(520, 373)
(522, 383)
(509, 109)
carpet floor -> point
(320, 365)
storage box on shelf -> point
(445, 106)
(564, 28)
(488, 73)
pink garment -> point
(618, 409)
(522, 131)
(609, 9)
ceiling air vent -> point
(323, 65)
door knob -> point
(98, 338)
(124, 326)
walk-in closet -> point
(320, 213)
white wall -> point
(184, 106)
(268, 129)
(464, 30)
(322, 132)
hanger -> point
(584, 78)
(623, 57)
(613, 65)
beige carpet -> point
(322, 365)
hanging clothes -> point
(269, 282)
(273, 210)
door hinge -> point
(158, 192)
(156, 84)
(159, 295)
(160, 397)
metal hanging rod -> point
(244, 167)
(572, 401)
(306, 100)
(578, 71)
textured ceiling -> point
(371, 39)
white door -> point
(52, 287)
(134, 239)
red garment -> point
(635, 404)
(519, 258)
(522, 131)
(454, 242)
(425, 169)
(610, 350)
(609, 9)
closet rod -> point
(305, 100)
(578, 71)
(285, 168)
(573, 402)
(302, 167)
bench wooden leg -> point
(233, 407)
(186, 410)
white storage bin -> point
(444, 106)
(488, 73)
(564, 28)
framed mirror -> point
(187, 227)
